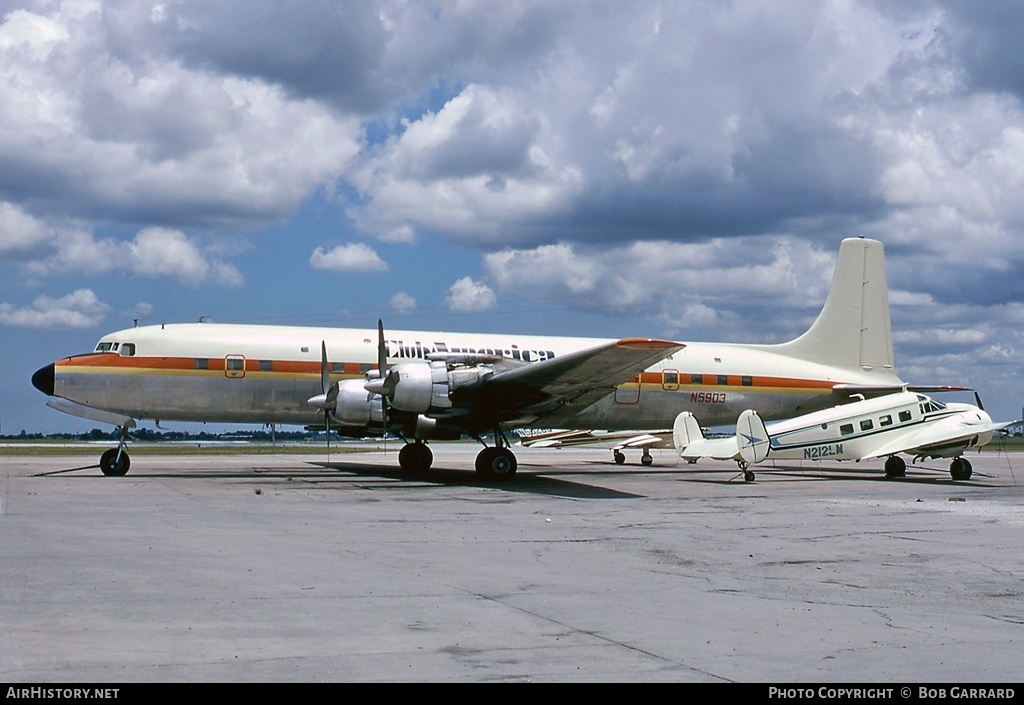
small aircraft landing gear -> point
(646, 458)
(115, 461)
(895, 466)
(497, 462)
(960, 469)
(619, 457)
(415, 457)
(748, 475)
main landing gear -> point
(496, 462)
(646, 459)
(959, 469)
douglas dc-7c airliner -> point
(431, 385)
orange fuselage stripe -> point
(112, 363)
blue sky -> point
(672, 169)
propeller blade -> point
(325, 368)
(382, 364)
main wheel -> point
(895, 466)
(496, 464)
(113, 465)
(960, 469)
(646, 459)
(619, 458)
(415, 457)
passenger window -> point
(723, 380)
(846, 429)
(885, 420)
(202, 363)
(266, 365)
(697, 379)
(866, 425)
(904, 416)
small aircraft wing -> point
(599, 439)
(945, 438)
(556, 390)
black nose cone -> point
(43, 380)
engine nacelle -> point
(420, 387)
(355, 407)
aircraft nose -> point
(43, 380)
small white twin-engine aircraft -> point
(432, 385)
(905, 422)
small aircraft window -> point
(697, 379)
(747, 381)
(202, 363)
(114, 349)
(866, 425)
(337, 368)
(846, 429)
(904, 416)
(235, 364)
(266, 365)
(128, 350)
(670, 379)
(723, 380)
(885, 420)
(103, 347)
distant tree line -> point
(145, 434)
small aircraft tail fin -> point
(752, 437)
(685, 431)
(853, 329)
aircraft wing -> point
(554, 391)
(946, 438)
(599, 439)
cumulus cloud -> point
(98, 127)
(402, 302)
(79, 309)
(351, 257)
(680, 284)
(469, 296)
(154, 252)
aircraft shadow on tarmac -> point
(348, 472)
(540, 479)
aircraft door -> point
(234, 366)
(628, 393)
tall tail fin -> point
(685, 431)
(752, 437)
(853, 328)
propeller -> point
(327, 400)
(977, 398)
(382, 371)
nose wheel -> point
(115, 462)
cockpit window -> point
(104, 347)
(128, 350)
